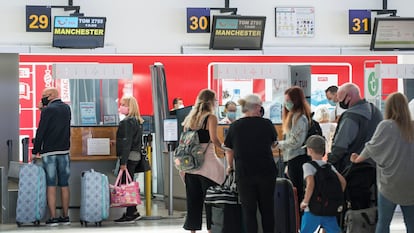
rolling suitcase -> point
(286, 207)
(94, 198)
(31, 197)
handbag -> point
(223, 194)
(123, 195)
(362, 220)
(144, 164)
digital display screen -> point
(78, 32)
(235, 32)
(393, 33)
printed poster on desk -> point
(320, 82)
(87, 113)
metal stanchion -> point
(170, 194)
(148, 181)
(148, 177)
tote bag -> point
(123, 195)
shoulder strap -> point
(205, 122)
(315, 164)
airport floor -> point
(160, 222)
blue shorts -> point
(57, 166)
(311, 222)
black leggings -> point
(195, 188)
(295, 173)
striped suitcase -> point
(31, 197)
(94, 198)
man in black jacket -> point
(52, 144)
(355, 127)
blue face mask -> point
(231, 115)
(289, 105)
(331, 102)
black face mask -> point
(45, 101)
(344, 105)
(261, 111)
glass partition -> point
(94, 101)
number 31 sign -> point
(359, 22)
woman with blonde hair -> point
(128, 147)
(296, 119)
(203, 120)
(391, 147)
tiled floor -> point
(159, 222)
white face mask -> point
(181, 106)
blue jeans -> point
(386, 210)
(311, 222)
(57, 166)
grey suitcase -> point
(94, 198)
(31, 197)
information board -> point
(237, 32)
(295, 21)
(78, 32)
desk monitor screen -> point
(393, 33)
(236, 32)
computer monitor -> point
(180, 114)
(393, 33)
(236, 32)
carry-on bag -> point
(31, 197)
(286, 207)
(124, 195)
(94, 198)
(225, 207)
(363, 220)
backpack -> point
(327, 198)
(314, 129)
(189, 154)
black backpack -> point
(314, 129)
(327, 198)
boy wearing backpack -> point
(324, 195)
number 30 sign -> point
(198, 20)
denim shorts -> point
(57, 166)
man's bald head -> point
(51, 92)
(349, 93)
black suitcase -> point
(286, 207)
(226, 218)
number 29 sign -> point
(198, 20)
(38, 19)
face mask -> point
(181, 106)
(45, 101)
(123, 110)
(261, 111)
(231, 115)
(331, 102)
(288, 105)
(344, 105)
